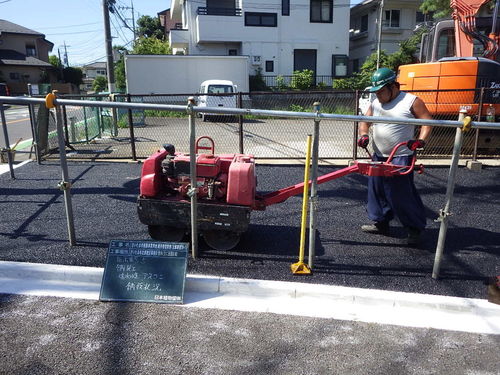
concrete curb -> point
(313, 300)
(4, 168)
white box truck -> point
(177, 74)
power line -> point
(62, 27)
(78, 32)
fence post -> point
(86, 126)
(313, 202)
(479, 114)
(114, 119)
(356, 125)
(131, 129)
(445, 213)
(65, 184)
(7, 149)
(34, 132)
(66, 132)
(193, 191)
(240, 123)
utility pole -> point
(109, 49)
(60, 64)
(131, 7)
(379, 37)
(66, 54)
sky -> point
(76, 26)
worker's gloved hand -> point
(363, 141)
(414, 144)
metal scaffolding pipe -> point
(193, 191)
(445, 213)
(256, 112)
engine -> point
(226, 178)
(211, 181)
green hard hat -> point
(382, 77)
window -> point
(421, 17)
(269, 66)
(364, 23)
(285, 7)
(220, 89)
(261, 19)
(30, 50)
(391, 18)
(101, 72)
(339, 65)
(14, 76)
(446, 43)
(321, 11)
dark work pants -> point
(395, 196)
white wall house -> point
(279, 36)
(399, 20)
(91, 72)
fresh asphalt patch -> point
(33, 228)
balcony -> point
(178, 38)
(204, 11)
(220, 29)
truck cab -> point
(217, 93)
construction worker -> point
(394, 196)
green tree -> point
(441, 8)
(100, 84)
(54, 61)
(151, 46)
(150, 27)
(73, 75)
(120, 77)
(405, 55)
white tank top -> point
(388, 135)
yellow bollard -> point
(300, 268)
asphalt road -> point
(33, 228)
(81, 337)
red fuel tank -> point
(241, 181)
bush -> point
(280, 83)
(302, 80)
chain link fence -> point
(105, 133)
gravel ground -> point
(33, 228)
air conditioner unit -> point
(255, 60)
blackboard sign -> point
(145, 271)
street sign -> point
(145, 271)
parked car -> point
(208, 95)
(366, 98)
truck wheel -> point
(221, 239)
(166, 233)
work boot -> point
(413, 238)
(379, 227)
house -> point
(167, 22)
(24, 57)
(91, 72)
(279, 36)
(399, 21)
